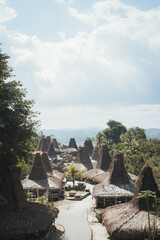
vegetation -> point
(17, 120)
(73, 173)
(137, 149)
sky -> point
(86, 62)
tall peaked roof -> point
(38, 170)
(82, 157)
(51, 151)
(55, 144)
(95, 154)
(89, 146)
(48, 140)
(145, 182)
(39, 145)
(72, 143)
(11, 189)
(104, 158)
(118, 173)
(46, 162)
(44, 145)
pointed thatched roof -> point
(51, 151)
(90, 174)
(38, 178)
(116, 182)
(130, 220)
(95, 155)
(104, 159)
(21, 219)
(38, 170)
(55, 144)
(44, 145)
(46, 162)
(48, 140)
(72, 143)
(39, 145)
(83, 158)
(89, 146)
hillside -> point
(63, 135)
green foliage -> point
(17, 120)
(41, 199)
(73, 173)
(114, 132)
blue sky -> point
(85, 62)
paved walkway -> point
(79, 221)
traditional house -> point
(130, 220)
(102, 165)
(40, 183)
(72, 143)
(19, 218)
(117, 186)
(95, 154)
(51, 152)
(89, 146)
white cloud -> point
(143, 116)
(116, 63)
(64, 1)
(6, 13)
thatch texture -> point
(130, 220)
(82, 157)
(117, 183)
(39, 145)
(90, 174)
(55, 144)
(46, 162)
(44, 145)
(51, 151)
(72, 143)
(21, 219)
(95, 154)
(48, 140)
(38, 170)
(104, 159)
(38, 178)
(89, 147)
(79, 167)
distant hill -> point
(153, 133)
(80, 134)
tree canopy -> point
(17, 119)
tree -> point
(17, 120)
(114, 132)
(72, 173)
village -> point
(78, 193)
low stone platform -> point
(78, 196)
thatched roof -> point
(130, 220)
(46, 162)
(117, 182)
(39, 145)
(82, 157)
(72, 143)
(44, 145)
(38, 178)
(48, 140)
(51, 151)
(89, 146)
(90, 174)
(95, 154)
(38, 170)
(55, 144)
(79, 167)
(20, 219)
(104, 158)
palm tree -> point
(72, 173)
